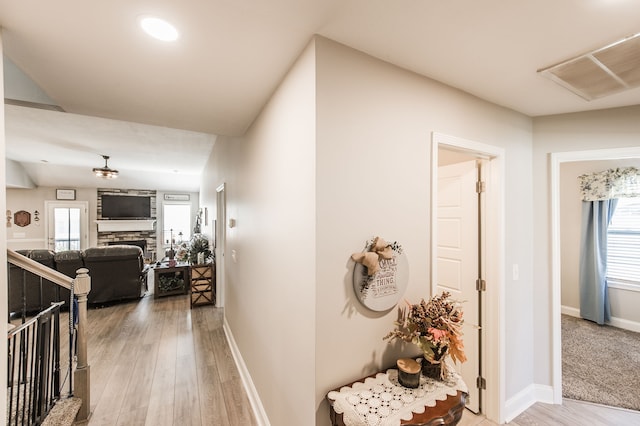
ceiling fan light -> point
(105, 172)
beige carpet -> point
(63, 413)
(600, 364)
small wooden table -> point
(170, 280)
(444, 413)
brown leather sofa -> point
(117, 273)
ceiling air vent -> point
(601, 72)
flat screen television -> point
(125, 207)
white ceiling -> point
(59, 149)
(91, 59)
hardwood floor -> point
(570, 413)
(157, 362)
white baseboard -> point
(544, 393)
(519, 403)
(252, 392)
(626, 324)
(615, 321)
(568, 310)
(526, 398)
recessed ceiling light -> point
(158, 28)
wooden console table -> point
(381, 396)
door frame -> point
(492, 352)
(84, 219)
(557, 158)
(221, 242)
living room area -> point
(91, 228)
(99, 218)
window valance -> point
(612, 183)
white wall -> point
(613, 128)
(624, 303)
(305, 196)
(33, 235)
(270, 290)
(22, 87)
(373, 148)
(17, 176)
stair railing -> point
(34, 368)
(80, 286)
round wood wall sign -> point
(383, 289)
(22, 218)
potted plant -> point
(199, 251)
(435, 327)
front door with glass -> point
(67, 225)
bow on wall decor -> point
(371, 259)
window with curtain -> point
(623, 244)
(602, 194)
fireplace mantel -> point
(125, 225)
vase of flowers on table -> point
(199, 250)
(435, 327)
(196, 251)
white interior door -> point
(67, 225)
(458, 259)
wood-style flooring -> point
(158, 362)
(570, 413)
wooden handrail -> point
(39, 269)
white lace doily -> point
(383, 401)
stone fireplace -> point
(134, 232)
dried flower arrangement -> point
(435, 327)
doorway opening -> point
(489, 384)
(557, 159)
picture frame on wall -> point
(176, 197)
(65, 194)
